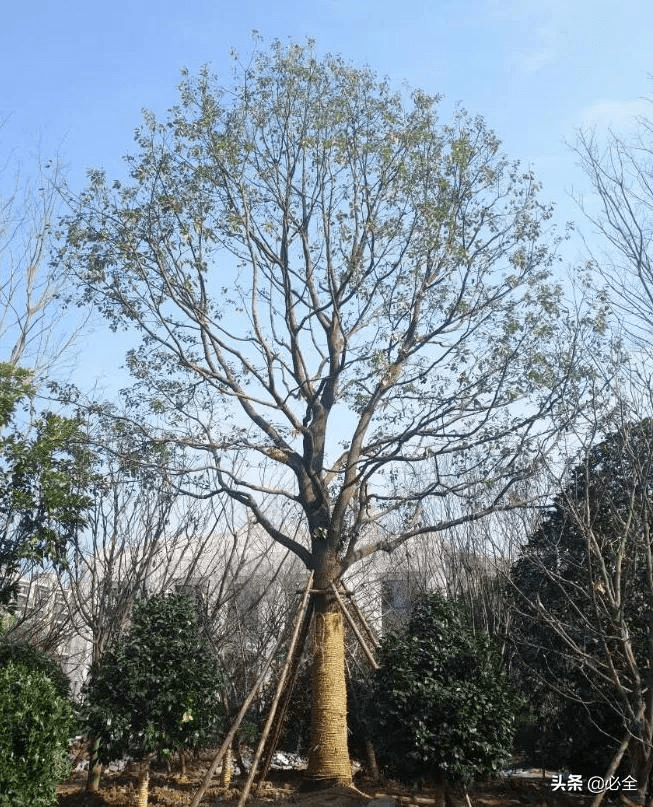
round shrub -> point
(443, 708)
(158, 690)
(35, 726)
(21, 652)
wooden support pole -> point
(299, 620)
(226, 743)
(370, 633)
(353, 626)
(292, 677)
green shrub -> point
(21, 652)
(157, 691)
(35, 726)
(442, 706)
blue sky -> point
(75, 75)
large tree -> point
(331, 283)
(583, 623)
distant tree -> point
(619, 169)
(332, 287)
(583, 620)
(37, 330)
(441, 704)
(158, 689)
(45, 480)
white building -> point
(243, 604)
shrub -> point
(21, 652)
(158, 690)
(442, 705)
(35, 726)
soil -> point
(285, 788)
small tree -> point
(156, 691)
(44, 480)
(35, 726)
(442, 704)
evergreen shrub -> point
(35, 726)
(22, 652)
(443, 708)
(158, 690)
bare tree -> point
(330, 282)
(36, 333)
(142, 538)
(39, 614)
(36, 329)
(620, 169)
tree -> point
(34, 330)
(620, 169)
(157, 689)
(44, 480)
(584, 617)
(442, 705)
(332, 288)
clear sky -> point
(75, 75)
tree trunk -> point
(225, 774)
(640, 770)
(94, 767)
(371, 761)
(329, 755)
(142, 793)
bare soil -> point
(285, 788)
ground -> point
(285, 787)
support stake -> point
(226, 743)
(277, 695)
(357, 634)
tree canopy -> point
(329, 281)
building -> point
(244, 606)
